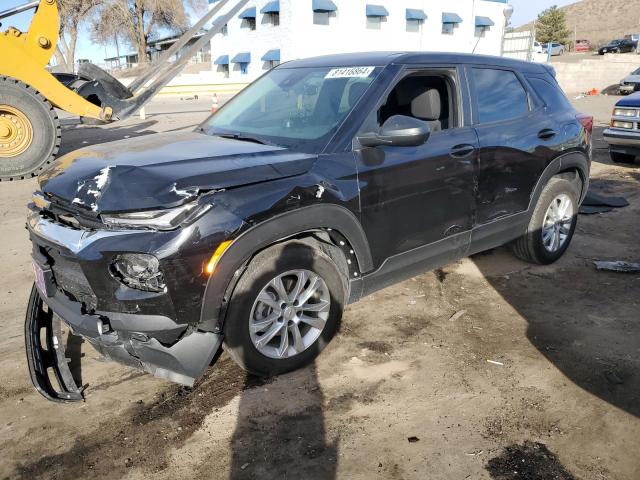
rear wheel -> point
(622, 157)
(29, 131)
(552, 224)
(286, 307)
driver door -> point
(418, 202)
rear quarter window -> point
(552, 95)
(499, 95)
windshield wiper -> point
(242, 138)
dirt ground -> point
(538, 378)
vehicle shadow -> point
(585, 322)
(280, 430)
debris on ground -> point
(596, 203)
(413, 439)
(494, 362)
(457, 315)
(618, 266)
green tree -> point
(551, 26)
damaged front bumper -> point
(146, 333)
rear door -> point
(517, 140)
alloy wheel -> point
(556, 226)
(289, 314)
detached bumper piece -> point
(49, 360)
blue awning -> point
(244, 57)
(222, 60)
(324, 6)
(377, 11)
(416, 14)
(451, 18)
(271, 7)
(484, 22)
(271, 56)
(248, 13)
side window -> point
(426, 96)
(499, 95)
(553, 97)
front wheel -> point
(286, 307)
(552, 224)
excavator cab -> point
(30, 133)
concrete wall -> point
(594, 72)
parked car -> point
(617, 46)
(553, 49)
(623, 135)
(630, 83)
(582, 46)
(325, 180)
(537, 47)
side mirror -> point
(398, 131)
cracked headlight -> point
(138, 270)
(167, 219)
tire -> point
(530, 247)
(617, 157)
(312, 256)
(33, 113)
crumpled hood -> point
(164, 170)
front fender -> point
(282, 226)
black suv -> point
(323, 181)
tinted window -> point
(499, 94)
(551, 95)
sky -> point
(524, 11)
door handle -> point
(462, 151)
(546, 134)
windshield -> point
(297, 108)
(615, 42)
(636, 72)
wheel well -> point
(576, 176)
(337, 243)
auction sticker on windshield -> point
(350, 72)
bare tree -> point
(72, 14)
(139, 20)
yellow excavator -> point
(30, 132)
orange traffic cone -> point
(215, 105)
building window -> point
(449, 28)
(480, 31)
(374, 23)
(273, 19)
(249, 23)
(224, 69)
(323, 18)
(225, 30)
(244, 68)
(414, 26)
(271, 64)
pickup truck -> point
(325, 180)
(623, 134)
(630, 83)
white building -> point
(268, 32)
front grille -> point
(68, 214)
(70, 279)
